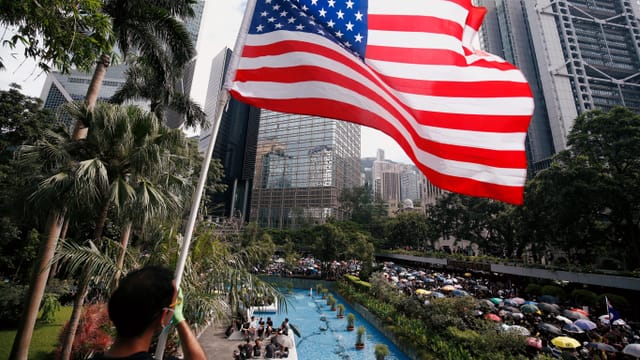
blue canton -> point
(341, 21)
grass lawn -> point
(44, 340)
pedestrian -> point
(145, 302)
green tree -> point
(408, 228)
(59, 34)
(151, 30)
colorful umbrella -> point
(534, 343)
(423, 292)
(574, 315)
(436, 294)
(565, 342)
(510, 302)
(518, 300)
(581, 311)
(459, 293)
(586, 325)
(564, 319)
(467, 274)
(496, 301)
(447, 288)
(518, 330)
(493, 317)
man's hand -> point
(177, 311)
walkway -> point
(217, 346)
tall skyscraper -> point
(302, 165)
(235, 145)
(578, 55)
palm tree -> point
(134, 148)
(147, 28)
(70, 182)
(145, 81)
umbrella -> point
(448, 282)
(423, 292)
(529, 309)
(493, 317)
(581, 311)
(496, 301)
(604, 319)
(564, 319)
(510, 302)
(518, 330)
(619, 322)
(285, 340)
(517, 316)
(436, 294)
(586, 325)
(448, 288)
(551, 329)
(550, 308)
(602, 346)
(572, 328)
(632, 349)
(467, 274)
(548, 299)
(534, 343)
(482, 288)
(459, 293)
(511, 309)
(486, 304)
(518, 300)
(565, 342)
(574, 315)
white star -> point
(314, 2)
(264, 13)
(284, 13)
(304, 8)
(350, 4)
(271, 19)
(330, 23)
(299, 27)
(349, 26)
(268, 1)
(312, 17)
(332, 3)
(359, 38)
(302, 14)
(323, 12)
(347, 44)
(312, 22)
(340, 14)
(259, 28)
(339, 34)
(320, 32)
(359, 16)
(276, 7)
(278, 26)
(292, 20)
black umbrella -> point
(551, 329)
(573, 329)
(550, 308)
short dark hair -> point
(139, 299)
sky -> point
(219, 28)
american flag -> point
(405, 67)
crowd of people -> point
(547, 325)
(256, 331)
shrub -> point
(94, 333)
(533, 290)
(360, 335)
(554, 290)
(49, 308)
(583, 297)
(381, 351)
(351, 320)
(11, 304)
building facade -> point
(578, 55)
(302, 165)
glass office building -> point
(302, 165)
(578, 55)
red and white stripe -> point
(462, 117)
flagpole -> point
(223, 98)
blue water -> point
(324, 336)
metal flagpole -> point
(223, 98)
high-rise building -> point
(302, 165)
(235, 145)
(578, 55)
(62, 88)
